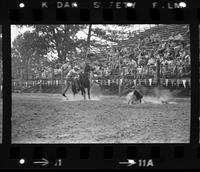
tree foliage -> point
(60, 39)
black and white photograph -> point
(1, 85)
(101, 83)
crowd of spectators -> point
(150, 56)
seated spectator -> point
(133, 63)
(172, 36)
(180, 70)
(164, 62)
(151, 61)
(139, 72)
(187, 59)
(139, 61)
(152, 38)
(172, 53)
(158, 37)
(161, 47)
(178, 37)
(182, 53)
(133, 68)
(147, 40)
(151, 72)
(169, 62)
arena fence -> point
(45, 83)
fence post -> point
(119, 80)
(62, 80)
(176, 70)
(40, 85)
(147, 72)
(158, 72)
(21, 79)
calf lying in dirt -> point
(134, 97)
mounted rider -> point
(73, 74)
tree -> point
(28, 52)
(60, 39)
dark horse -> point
(82, 82)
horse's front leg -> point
(88, 90)
(83, 93)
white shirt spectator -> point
(182, 53)
(178, 37)
(164, 62)
(133, 64)
(151, 61)
(139, 70)
(169, 62)
(146, 56)
(171, 37)
(187, 57)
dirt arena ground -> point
(50, 118)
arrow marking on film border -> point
(43, 162)
(130, 162)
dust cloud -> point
(159, 96)
(155, 96)
(95, 94)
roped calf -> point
(135, 97)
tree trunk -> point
(27, 73)
(120, 69)
(62, 80)
(28, 64)
(40, 76)
(88, 40)
(60, 57)
(52, 73)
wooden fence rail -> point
(185, 82)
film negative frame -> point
(99, 156)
